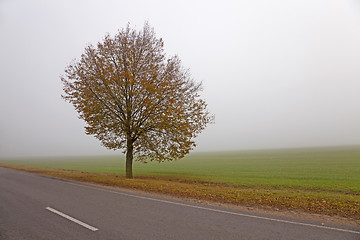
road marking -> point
(72, 219)
(212, 209)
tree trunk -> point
(129, 158)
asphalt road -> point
(38, 207)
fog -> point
(276, 74)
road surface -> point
(38, 207)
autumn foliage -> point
(132, 97)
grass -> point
(321, 180)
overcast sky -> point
(276, 74)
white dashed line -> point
(72, 219)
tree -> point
(134, 98)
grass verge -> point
(311, 201)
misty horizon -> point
(276, 75)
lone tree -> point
(134, 98)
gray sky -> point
(276, 73)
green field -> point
(329, 169)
